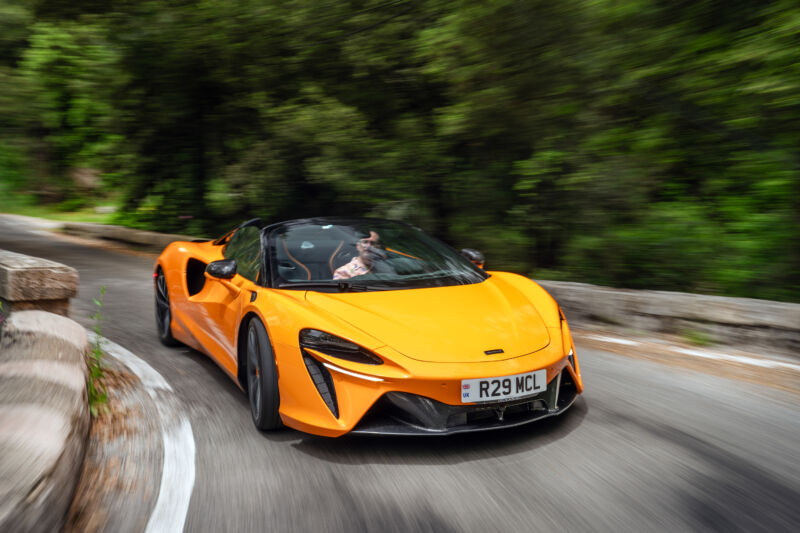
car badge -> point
(492, 352)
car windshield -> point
(363, 254)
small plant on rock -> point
(98, 396)
(696, 337)
(5, 312)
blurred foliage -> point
(95, 388)
(634, 143)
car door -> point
(222, 301)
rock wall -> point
(44, 419)
(33, 283)
(734, 321)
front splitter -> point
(396, 427)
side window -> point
(245, 247)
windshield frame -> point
(270, 236)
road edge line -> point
(178, 468)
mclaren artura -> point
(335, 326)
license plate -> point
(503, 388)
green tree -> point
(635, 143)
(71, 71)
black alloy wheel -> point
(262, 378)
(163, 311)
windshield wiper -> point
(343, 286)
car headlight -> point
(571, 357)
(337, 347)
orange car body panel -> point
(429, 338)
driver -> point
(364, 261)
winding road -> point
(648, 447)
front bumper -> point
(415, 398)
(397, 413)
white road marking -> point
(177, 480)
(766, 363)
(177, 473)
(753, 361)
(151, 379)
(626, 342)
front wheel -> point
(163, 311)
(262, 378)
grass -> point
(84, 215)
(24, 204)
(98, 395)
(698, 338)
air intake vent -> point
(195, 276)
(568, 389)
(323, 382)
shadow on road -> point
(728, 492)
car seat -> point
(307, 258)
(342, 255)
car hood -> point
(456, 324)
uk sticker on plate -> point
(503, 388)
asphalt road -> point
(648, 447)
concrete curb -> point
(34, 283)
(122, 451)
(44, 419)
(723, 320)
(147, 240)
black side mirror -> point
(475, 256)
(223, 269)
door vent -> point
(195, 276)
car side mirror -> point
(475, 256)
(223, 269)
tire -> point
(164, 311)
(262, 378)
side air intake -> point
(323, 381)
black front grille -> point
(323, 381)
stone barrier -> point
(44, 419)
(33, 283)
(723, 320)
(44, 414)
(145, 240)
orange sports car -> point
(335, 326)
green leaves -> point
(607, 141)
(96, 389)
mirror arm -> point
(226, 283)
(230, 286)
